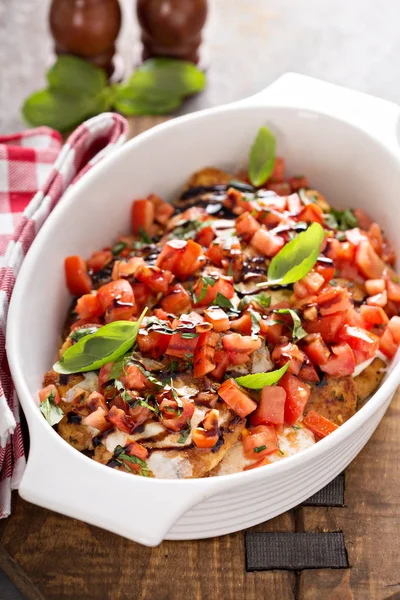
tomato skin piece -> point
(316, 349)
(88, 306)
(236, 398)
(363, 343)
(373, 315)
(297, 395)
(266, 242)
(319, 425)
(99, 260)
(387, 343)
(369, 264)
(203, 360)
(271, 408)
(76, 276)
(142, 215)
(342, 361)
(256, 438)
(45, 392)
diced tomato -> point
(142, 216)
(333, 300)
(326, 271)
(88, 306)
(298, 182)
(153, 343)
(222, 285)
(97, 419)
(217, 317)
(260, 463)
(364, 221)
(282, 189)
(394, 328)
(94, 400)
(342, 361)
(135, 449)
(271, 407)
(294, 204)
(76, 275)
(215, 253)
(234, 342)
(316, 349)
(173, 417)
(375, 286)
(163, 210)
(319, 425)
(142, 294)
(49, 390)
(98, 260)
(387, 343)
(376, 238)
(363, 343)
(180, 346)
(161, 314)
(260, 442)
(393, 291)
(221, 359)
(84, 322)
(127, 268)
(308, 373)
(378, 300)
(312, 213)
(278, 173)
(243, 324)
(373, 315)
(133, 378)
(203, 360)
(205, 236)
(246, 225)
(297, 394)
(266, 242)
(313, 281)
(328, 326)
(156, 279)
(120, 419)
(207, 435)
(286, 351)
(177, 301)
(300, 290)
(180, 257)
(272, 333)
(117, 300)
(345, 252)
(236, 398)
(370, 265)
(355, 236)
(105, 372)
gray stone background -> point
(249, 43)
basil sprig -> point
(296, 258)
(50, 410)
(298, 333)
(262, 157)
(106, 345)
(260, 380)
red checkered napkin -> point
(35, 170)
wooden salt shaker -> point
(172, 28)
(86, 28)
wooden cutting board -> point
(52, 557)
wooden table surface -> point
(51, 557)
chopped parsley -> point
(262, 299)
(298, 333)
(222, 301)
(188, 336)
(50, 410)
(206, 281)
(345, 219)
(117, 249)
(120, 456)
(144, 236)
(185, 432)
(255, 323)
(260, 449)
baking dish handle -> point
(59, 478)
(379, 118)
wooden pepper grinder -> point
(86, 28)
(172, 28)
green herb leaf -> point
(185, 432)
(93, 351)
(262, 157)
(79, 333)
(120, 456)
(50, 410)
(330, 221)
(345, 219)
(298, 332)
(118, 248)
(296, 258)
(260, 380)
(222, 301)
(188, 336)
(260, 448)
(75, 75)
(255, 323)
(144, 236)
(262, 299)
(206, 280)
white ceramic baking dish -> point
(347, 143)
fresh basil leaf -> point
(169, 76)
(298, 332)
(185, 432)
(262, 299)
(188, 336)
(120, 456)
(118, 248)
(260, 448)
(222, 301)
(255, 323)
(345, 219)
(206, 281)
(260, 380)
(130, 102)
(330, 221)
(296, 258)
(144, 236)
(93, 351)
(79, 333)
(50, 410)
(76, 75)
(262, 157)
